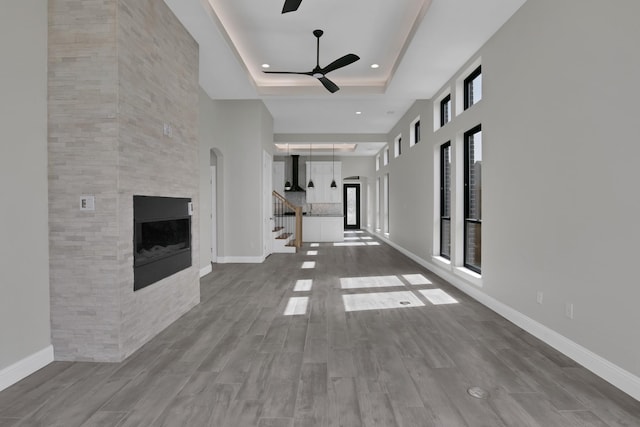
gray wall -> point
(559, 114)
(24, 263)
(238, 131)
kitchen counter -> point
(322, 228)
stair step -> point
(275, 230)
(284, 236)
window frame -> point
(443, 102)
(467, 220)
(414, 132)
(397, 146)
(445, 148)
(467, 84)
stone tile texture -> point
(118, 71)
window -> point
(378, 162)
(385, 156)
(445, 200)
(473, 199)
(378, 204)
(397, 146)
(385, 206)
(473, 88)
(445, 110)
(414, 132)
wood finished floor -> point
(236, 361)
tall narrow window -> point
(445, 110)
(473, 199)
(378, 162)
(385, 206)
(385, 156)
(416, 131)
(445, 200)
(473, 88)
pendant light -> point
(287, 184)
(310, 184)
(333, 166)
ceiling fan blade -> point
(341, 62)
(331, 86)
(307, 73)
(291, 5)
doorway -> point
(351, 202)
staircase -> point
(286, 225)
(283, 242)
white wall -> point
(560, 196)
(239, 131)
(24, 259)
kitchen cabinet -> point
(322, 173)
(319, 228)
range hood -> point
(294, 171)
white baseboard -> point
(205, 270)
(25, 367)
(241, 260)
(619, 377)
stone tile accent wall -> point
(118, 70)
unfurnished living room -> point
(319, 213)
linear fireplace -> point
(161, 238)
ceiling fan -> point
(291, 5)
(320, 73)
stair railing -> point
(287, 217)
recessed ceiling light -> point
(375, 65)
(358, 112)
(266, 65)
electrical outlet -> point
(539, 298)
(568, 310)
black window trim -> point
(467, 220)
(475, 73)
(443, 218)
(443, 102)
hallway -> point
(353, 334)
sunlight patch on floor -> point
(349, 244)
(416, 279)
(381, 301)
(373, 243)
(303, 285)
(315, 245)
(311, 253)
(296, 306)
(369, 282)
(309, 264)
(438, 296)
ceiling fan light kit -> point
(321, 72)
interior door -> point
(351, 203)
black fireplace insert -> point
(161, 238)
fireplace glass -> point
(161, 238)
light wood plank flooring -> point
(369, 339)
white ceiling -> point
(419, 45)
